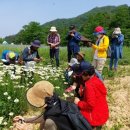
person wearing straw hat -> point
(100, 48)
(30, 54)
(9, 57)
(53, 41)
(116, 47)
(58, 114)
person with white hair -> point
(116, 47)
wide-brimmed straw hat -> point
(53, 29)
(81, 54)
(117, 31)
(37, 94)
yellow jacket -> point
(102, 47)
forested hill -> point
(108, 16)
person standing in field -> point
(53, 41)
(100, 48)
(116, 47)
(73, 38)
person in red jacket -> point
(93, 105)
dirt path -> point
(119, 102)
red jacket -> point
(94, 106)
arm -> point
(89, 100)
(58, 36)
(48, 42)
(120, 38)
(104, 46)
(25, 55)
(77, 36)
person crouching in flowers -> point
(9, 57)
(93, 105)
(30, 54)
(58, 114)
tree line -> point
(109, 17)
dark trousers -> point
(54, 53)
(72, 51)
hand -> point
(20, 126)
(17, 118)
(72, 34)
(52, 45)
(36, 59)
(76, 100)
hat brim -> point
(70, 64)
(35, 45)
(34, 100)
(97, 33)
(53, 30)
(80, 55)
(117, 32)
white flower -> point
(71, 94)
(5, 123)
(11, 114)
(65, 95)
(57, 87)
(5, 93)
(8, 97)
(16, 100)
(1, 119)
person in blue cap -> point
(9, 57)
(31, 53)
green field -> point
(13, 87)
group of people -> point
(89, 109)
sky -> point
(14, 14)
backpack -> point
(109, 52)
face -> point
(34, 48)
(85, 78)
(99, 35)
(78, 57)
(53, 33)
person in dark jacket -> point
(73, 38)
(93, 105)
(116, 48)
(58, 115)
(30, 54)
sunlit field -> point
(15, 80)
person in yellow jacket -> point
(100, 49)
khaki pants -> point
(99, 64)
(50, 125)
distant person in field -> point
(9, 57)
(73, 38)
(116, 48)
(53, 41)
(100, 48)
(30, 54)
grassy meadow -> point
(13, 87)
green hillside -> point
(109, 17)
